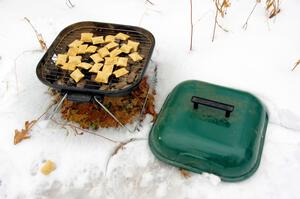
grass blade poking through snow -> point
(221, 7)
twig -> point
(150, 2)
(192, 26)
(296, 64)
(215, 25)
(119, 147)
(38, 35)
(70, 4)
(220, 9)
(76, 128)
(246, 23)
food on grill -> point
(108, 68)
(96, 67)
(61, 59)
(77, 75)
(72, 51)
(109, 38)
(115, 52)
(107, 57)
(111, 45)
(86, 37)
(69, 66)
(135, 56)
(103, 52)
(133, 44)
(102, 77)
(120, 72)
(121, 36)
(96, 58)
(91, 49)
(122, 61)
(126, 48)
(75, 59)
(98, 40)
(75, 43)
(84, 65)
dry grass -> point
(272, 8)
(221, 8)
(38, 35)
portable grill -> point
(49, 74)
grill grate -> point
(60, 79)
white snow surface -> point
(258, 60)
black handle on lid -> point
(214, 104)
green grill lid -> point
(208, 128)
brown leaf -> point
(185, 173)
(48, 167)
(23, 134)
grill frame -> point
(56, 48)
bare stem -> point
(70, 4)
(192, 26)
(297, 63)
(150, 2)
(246, 23)
(215, 25)
(38, 35)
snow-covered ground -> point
(258, 60)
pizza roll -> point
(115, 52)
(72, 51)
(75, 59)
(126, 48)
(120, 72)
(108, 68)
(111, 60)
(96, 67)
(96, 58)
(91, 49)
(69, 66)
(75, 43)
(84, 65)
(61, 59)
(135, 56)
(102, 77)
(98, 40)
(111, 45)
(122, 61)
(82, 48)
(86, 37)
(133, 44)
(109, 38)
(122, 36)
(103, 52)
(77, 75)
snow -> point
(258, 60)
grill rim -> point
(95, 92)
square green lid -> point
(208, 128)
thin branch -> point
(225, 30)
(215, 25)
(150, 2)
(70, 4)
(120, 146)
(246, 23)
(38, 35)
(192, 26)
(296, 64)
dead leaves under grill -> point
(23, 134)
(125, 108)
